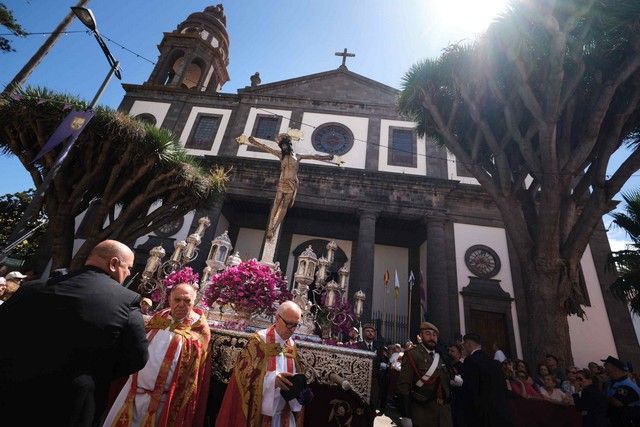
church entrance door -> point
(492, 327)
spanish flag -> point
(386, 281)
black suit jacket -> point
(83, 325)
(484, 392)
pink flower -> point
(250, 286)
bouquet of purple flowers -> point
(185, 275)
(248, 287)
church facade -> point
(399, 203)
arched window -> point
(193, 74)
(146, 118)
(175, 66)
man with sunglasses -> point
(264, 368)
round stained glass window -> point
(332, 138)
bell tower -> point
(195, 55)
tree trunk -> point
(63, 232)
(548, 330)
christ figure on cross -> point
(288, 182)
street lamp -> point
(87, 18)
(20, 232)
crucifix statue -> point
(287, 186)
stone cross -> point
(344, 55)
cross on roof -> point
(344, 55)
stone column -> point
(364, 258)
(437, 289)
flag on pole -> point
(423, 295)
(386, 282)
(70, 127)
(397, 285)
(412, 280)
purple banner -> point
(70, 127)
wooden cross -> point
(344, 55)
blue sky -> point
(280, 39)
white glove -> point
(383, 366)
(406, 422)
(456, 381)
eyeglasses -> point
(290, 325)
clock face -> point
(170, 228)
(332, 138)
(482, 261)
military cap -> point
(428, 325)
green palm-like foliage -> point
(627, 262)
(128, 176)
(534, 110)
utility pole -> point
(28, 68)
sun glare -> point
(473, 16)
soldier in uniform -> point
(424, 383)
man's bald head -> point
(289, 307)
(112, 257)
(287, 319)
(181, 300)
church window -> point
(265, 127)
(332, 138)
(175, 66)
(402, 147)
(146, 118)
(192, 74)
(204, 132)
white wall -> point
(221, 129)
(180, 235)
(156, 109)
(297, 239)
(591, 340)
(452, 171)
(354, 158)
(383, 165)
(248, 128)
(468, 235)
(249, 243)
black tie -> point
(370, 347)
(431, 353)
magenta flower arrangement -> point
(248, 287)
(340, 317)
(185, 275)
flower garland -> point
(250, 287)
(185, 275)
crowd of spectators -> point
(603, 394)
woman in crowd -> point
(542, 372)
(553, 394)
(521, 388)
(522, 366)
(568, 386)
(590, 401)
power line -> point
(454, 161)
(44, 33)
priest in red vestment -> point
(172, 388)
(264, 368)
